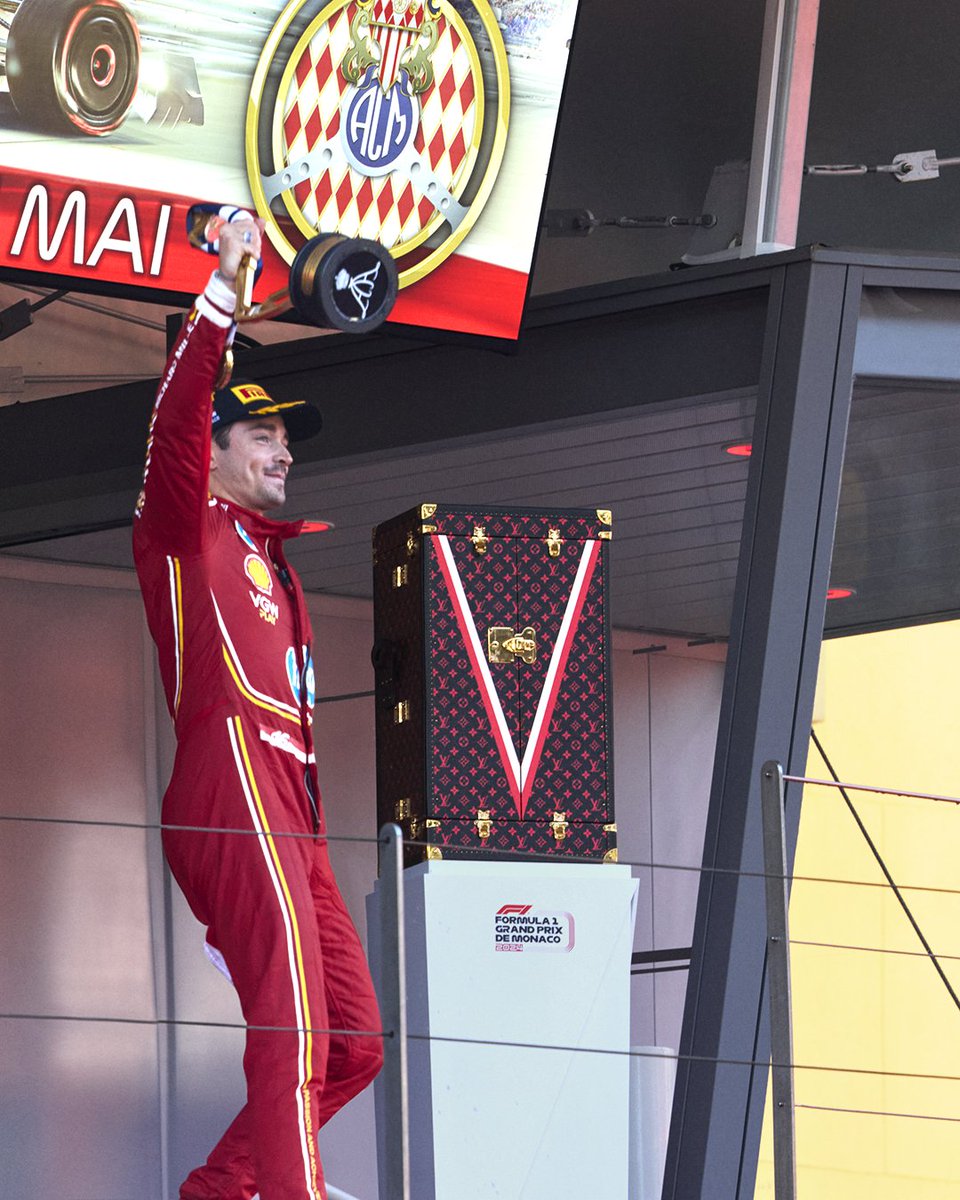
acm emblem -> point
(383, 119)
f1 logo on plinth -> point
(378, 119)
(521, 927)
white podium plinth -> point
(532, 953)
(653, 1073)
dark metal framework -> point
(803, 408)
(786, 323)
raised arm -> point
(176, 473)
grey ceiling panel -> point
(677, 502)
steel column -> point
(778, 980)
(779, 604)
(393, 1005)
(780, 129)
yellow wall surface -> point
(888, 714)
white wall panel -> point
(666, 707)
(79, 1102)
(685, 707)
(92, 924)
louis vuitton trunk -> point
(492, 668)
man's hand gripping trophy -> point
(349, 284)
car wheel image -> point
(73, 68)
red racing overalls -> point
(234, 643)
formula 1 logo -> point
(380, 119)
(521, 927)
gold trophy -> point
(336, 282)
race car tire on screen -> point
(73, 67)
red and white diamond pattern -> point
(387, 209)
(403, 30)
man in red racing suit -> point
(234, 644)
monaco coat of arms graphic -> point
(381, 119)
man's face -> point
(252, 470)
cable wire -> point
(886, 873)
(426, 1037)
(477, 852)
(874, 950)
(162, 827)
(694, 1058)
(866, 787)
(871, 1112)
(175, 1021)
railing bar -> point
(873, 950)
(162, 827)
(393, 998)
(866, 787)
(388, 1035)
(871, 1112)
(101, 1020)
(477, 852)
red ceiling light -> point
(738, 449)
(840, 593)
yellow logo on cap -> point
(256, 571)
(249, 393)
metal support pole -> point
(778, 981)
(393, 1003)
(780, 130)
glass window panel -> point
(882, 86)
(898, 528)
(868, 1003)
(660, 96)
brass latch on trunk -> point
(554, 542)
(404, 813)
(558, 826)
(480, 539)
(433, 852)
(503, 645)
(483, 823)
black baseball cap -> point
(242, 400)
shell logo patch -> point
(258, 573)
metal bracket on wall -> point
(912, 167)
(18, 316)
(580, 222)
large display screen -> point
(426, 125)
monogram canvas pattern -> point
(459, 839)
(517, 740)
(573, 768)
(465, 764)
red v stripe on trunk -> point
(556, 670)
(520, 777)
(480, 667)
